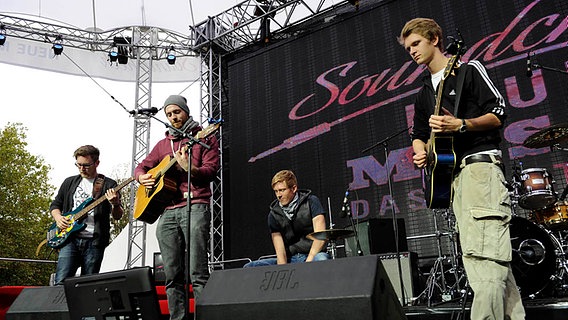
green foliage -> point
(24, 201)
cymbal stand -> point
(437, 277)
(332, 244)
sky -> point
(62, 112)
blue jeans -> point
(78, 253)
(297, 258)
(172, 238)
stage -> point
(536, 309)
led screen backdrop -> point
(313, 99)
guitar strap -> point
(98, 186)
(459, 85)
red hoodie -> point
(205, 160)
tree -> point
(24, 201)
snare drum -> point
(537, 191)
(554, 217)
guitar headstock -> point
(456, 48)
(214, 125)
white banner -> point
(33, 54)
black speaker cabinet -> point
(354, 288)
(377, 236)
(41, 303)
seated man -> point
(293, 215)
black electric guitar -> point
(441, 162)
(56, 237)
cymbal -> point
(548, 136)
(331, 234)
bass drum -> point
(534, 256)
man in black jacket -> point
(84, 248)
(481, 201)
(293, 215)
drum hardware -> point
(437, 276)
(331, 235)
(531, 252)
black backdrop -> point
(314, 97)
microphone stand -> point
(347, 209)
(384, 144)
(190, 143)
(539, 66)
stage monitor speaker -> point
(39, 303)
(355, 288)
(410, 274)
(376, 236)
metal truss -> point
(211, 107)
(145, 50)
(99, 40)
(238, 26)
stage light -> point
(171, 56)
(57, 45)
(122, 44)
(2, 34)
(113, 53)
(354, 3)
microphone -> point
(145, 111)
(345, 207)
(529, 65)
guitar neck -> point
(100, 200)
(447, 71)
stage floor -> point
(536, 309)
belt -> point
(484, 158)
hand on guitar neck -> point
(446, 123)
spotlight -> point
(57, 45)
(122, 44)
(171, 56)
(2, 34)
(354, 3)
(113, 53)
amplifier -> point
(410, 274)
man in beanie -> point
(172, 225)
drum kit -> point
(540, 239)
(539, 234)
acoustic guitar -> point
(441, 161)
(56, 237)
(150, 203)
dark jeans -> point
(172, 238)
(78, 253)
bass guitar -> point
(56, 237)
(151, 202)
(441, 161)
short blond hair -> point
(286, 176)
(426, 27)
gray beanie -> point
(179, 101)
